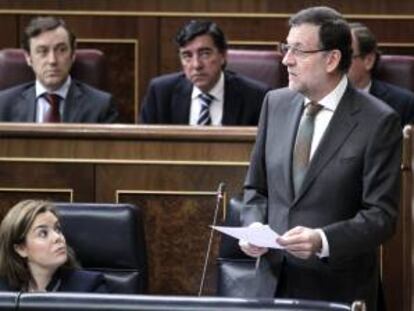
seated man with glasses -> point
(364, 62)
(204, 93)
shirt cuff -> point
(325, 246)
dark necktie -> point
(52, 114)
(301, 153)
(205, 117)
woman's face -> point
(45, 246)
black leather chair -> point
(396, 69)
(236, 271)
(108, 238)
(86, 302)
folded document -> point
(262, 235)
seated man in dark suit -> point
(204, 93)
(54, 97)
(364, 61)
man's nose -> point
(196, 62)
(288, 59)
(51, 57)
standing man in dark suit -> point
(324, 172)
(179, 98)
(54, 97)
(364, 62)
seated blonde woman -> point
(34, 256)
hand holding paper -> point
(262, 236)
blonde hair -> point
(13, 231)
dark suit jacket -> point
(83, 104)
(71, 281)
(168, 100)
(350, 191)
(401, 100)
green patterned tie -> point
(301, 153)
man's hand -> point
(301, 242)
(250, 249)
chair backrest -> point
(108, 238)
(264, 66)
(235, 271)
(89, 67)
(397, 69)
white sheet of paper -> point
(262, 236)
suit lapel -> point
(73, 102)
(181, 102)
(291, 121)
(339, 128)
(26, 106)
(232, 101)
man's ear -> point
(73, 55)
(28, 58)
(333, 60)
(369, 61)
(20, 250)
(224, 54)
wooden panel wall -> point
(228, 6)
(137, 36)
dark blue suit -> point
(401, 100)
(68, 280)
(168, 100)
(83, 104)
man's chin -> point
(202, 86)
(53, 84)
(293, 86)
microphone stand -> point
(220, 197)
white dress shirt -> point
(42, 104)
(216, 106)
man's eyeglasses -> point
(297, 52)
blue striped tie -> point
(205, 117)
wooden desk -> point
(172, 173)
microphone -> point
(17, 300)
(219, 200)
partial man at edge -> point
(364, 63)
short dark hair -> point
(366, 41)
(334, 32)
(38, 25)
(196, 28)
